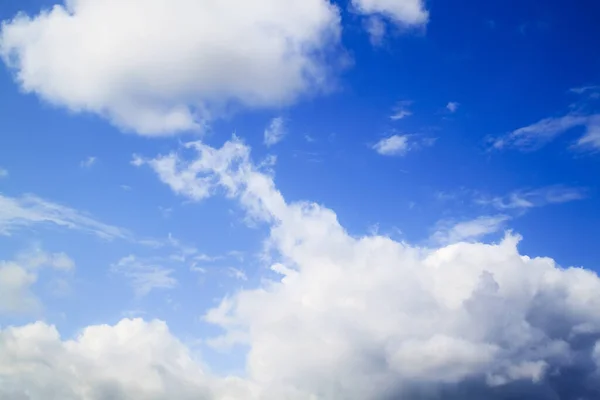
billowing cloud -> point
(368, 317)
(18, 276)
(130, 360)
(159, 67)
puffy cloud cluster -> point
(131, 360)
(338, 317)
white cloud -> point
(369, 317)
(401, 110)
(536, 135)
(403, 12)
(145, 275)
(167, 66)
(452, 106)
(88, 162)
(23, 212)
(3, 173)
(448, 232)
(18, 276)
(395, 145)
(237, 274)
(275, 131)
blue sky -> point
(429, 124)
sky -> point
(299, 199)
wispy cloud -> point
(401, 110)
(275, 132)
(3, 173)
(526, 199)
(88, 162)
(26, 211)
(592, 90)
(534, 136)
(145, 275)
(448, 231)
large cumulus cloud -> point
(165, 66)
(337, 316)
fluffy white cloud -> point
(18, 276)
(404, 12)
(163, 66)
(275, 131)
(19, 213)
(130, 360)
(368, 317)
(536, 135)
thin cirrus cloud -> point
(188, 67)
(529, 198)
(145, 275)
(17, 213)
(534, 136)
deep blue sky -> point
(508, 64)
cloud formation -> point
(159, 67)
(369, 317)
